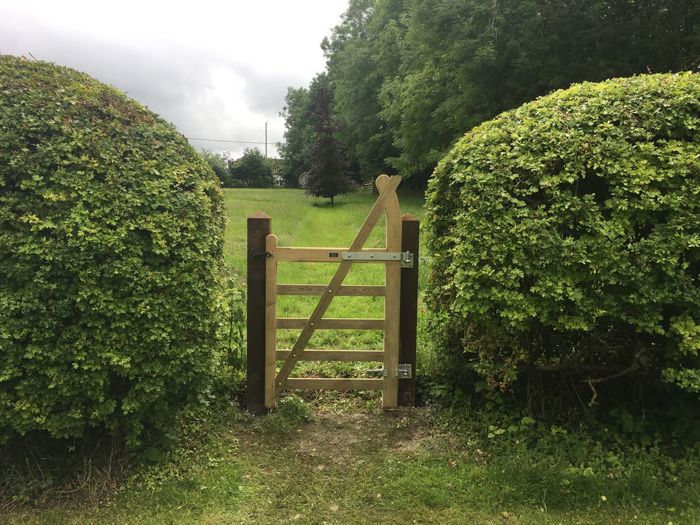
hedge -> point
(111, 272)
(565, 235)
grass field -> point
(339, 459)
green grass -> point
(338, 458)
(300, 220)
(341, 459)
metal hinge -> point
(404, 371)
(406, 258)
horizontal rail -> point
(320, 289)
(317, 254)
(332, 324)
(335, 355)
(313, 383)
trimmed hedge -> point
(111, 239)
(566, 235)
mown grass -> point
(339, 459)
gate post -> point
(259, 227)
(408, 317)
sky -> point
(217, 70)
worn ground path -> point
(337, 463)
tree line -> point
(405, 79)
(251, 170)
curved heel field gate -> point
(400, 257)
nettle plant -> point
(566, 235)
(112, 296)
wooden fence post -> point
(408, 317)
(259, 227)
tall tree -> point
(464, 61)
(362, 53)
(410, 77)
(295, 151)
(327, 175)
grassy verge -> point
(340, 459)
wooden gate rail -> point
(398, 324)
(319, 289)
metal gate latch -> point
(406, 258)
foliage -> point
(252, 170)
(327, 174)
(224, 467)
(219, 165)
(111, 242)
(295, 151)
(410, 77)
(565, 235)
(362, 54)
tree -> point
(295, 151)
(327, 176)
(220, 166)
(409, 78)
(362, 54)
(252, 170)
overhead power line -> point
(231, 141)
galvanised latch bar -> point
(406, 258)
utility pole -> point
(266, 139)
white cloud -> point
(215, 69)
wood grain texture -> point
(392, 300)
(313, 383)
(331, 323)
(320, 289)
(335, 355)
(259, 226)
(410, 241)
(270, 320)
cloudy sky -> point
(217, 70)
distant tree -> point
(327, 175)
(252, 170)
(295, 151)
(220, 166)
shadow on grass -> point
(327, 204)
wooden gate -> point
(400, 257)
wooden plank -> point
(408, 318)
(389, 188)
(259, 226)
(287, 323)
(313, 383)
(319, 289)
(270, 320)
(327, 255)
(335, 355)
(392, 300)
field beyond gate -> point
(399, 256)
